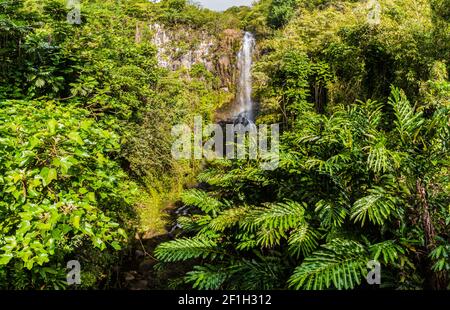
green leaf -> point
(116, 245)
(187, 248)
(76, 221)
(91, 196)
(122, 233)
(5, 258)
(75, 136)
(98, 243)
(52, 125)
(48, 175)
(340, 263)
(64, 163)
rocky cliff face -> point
(228, 45)
(184, 47)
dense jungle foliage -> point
(364, 159)
(85, 136)
(85, 145)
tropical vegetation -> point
(86, 112)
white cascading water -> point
(245, 109)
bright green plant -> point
(60, 190)
(348, 190)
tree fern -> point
(355, 170)
(340, 263)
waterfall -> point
(245, 109)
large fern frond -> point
(377, 206)
(374, 112)
(188, 248)
(228, 218)
(331, 213)
(388, 250)
(247, 241)
(269, 237)
(340, 263)
(201, 200)
(263, 273)
(407, 121)
(379, 157)
(281, 216)
(207, 277)
(303, 240)
(188, 224)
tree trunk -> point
(433, 280)
(428, 227)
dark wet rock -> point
(139, 254)
(146, 265)
(129, 277)
(140, 285)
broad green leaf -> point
(91, 196)
(122, 232)
(86, 124)
(5, 258)
(76, 221)
(116, 245)
(52, 125)
(98, 243)
(75, 136)
(64, 163)
(48, 175)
